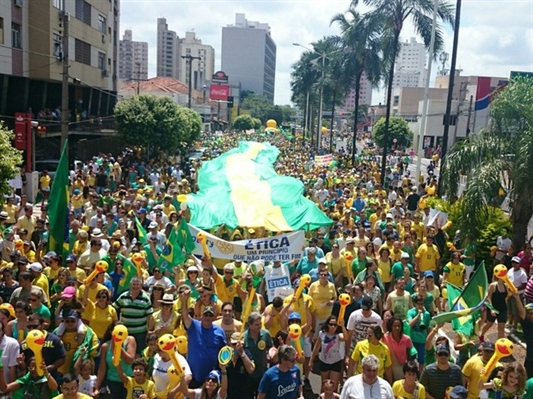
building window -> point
(102, 24)
(58, 4)
(83, 11)
(57, 49)
(16, 35)
(1, 30)
(101, 60)
(83, 52)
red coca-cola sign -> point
(20, 130)
(219, 92)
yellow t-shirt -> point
(275, 327)
(80, 396)
(167, 210)
(135, 390)
(419, 229)
(301, 305)
(321, 294)
(427, 257)
(42, 282)
(385, 269)
(225, 292)
(78, 273)
(456, 273)
(92, 291)
(50, 273)
(365, 348)
(11, 213)
(472, 370)
(77, 201)
(399, 392)
(99, 319)
(45, 181)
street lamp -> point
(320, 102)
(189, 58)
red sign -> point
(219, 92)
(20, 131)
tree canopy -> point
(497, 162)
(10, 161)
(156, 122)
(261, 108)
(246, 122)
(398, 129)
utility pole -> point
(64, 83)
(138, 64)
(459, 104)
(469, 116)
(189, 58)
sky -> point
(495, 36)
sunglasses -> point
(226, 272)
(333, 324)
(442, 354)
(70, 321)
(212, 380)
(157, 271)
(101, 296)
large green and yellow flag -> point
(141, 231)
(465, 305)
(185, 238)
(58, 207)
(242, 188)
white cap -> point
(323, 260)
(389, 215)
(405, 255)
(152, 225)
(36, 267)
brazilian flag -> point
(58, 207)
(141, 231)
(172, 254)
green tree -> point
(398, 129)
(244, 122)
(361, 39)
(10, 161)
(391, 16)
(156, 122)
(258, 106)
(257, 123)
(497, 162)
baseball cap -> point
(192, 269)
(515, 259)
(295, 316)
(366, 303)
(71, 257)
(404, 255)
(389, 215)
(72, 315)
(487, 346)
(71, 279)
(458, 392)
(215, 374)
(323, 260)
(235, 337)
(69, 292)
(209, 309)
(442, 349)
(36, 267)
(428, 273)
(350, 240)
(142, 210)
(50, 254)
(152, 225)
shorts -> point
(336, 367)
(501, 317)
(421, 349)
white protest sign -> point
(285, 247)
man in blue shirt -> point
(282, 381)
(205, 341)
(307, 262)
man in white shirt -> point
(359, 322)
(367, 385)
(518, 277)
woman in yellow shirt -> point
(408, 387)
(165, 320)
(384, 266)
(101, 314)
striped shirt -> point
(134, 312)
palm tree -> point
(391, 16)
(362, 55)
(496, 159)
(303, 77)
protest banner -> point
(284, 247)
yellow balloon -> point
(271, 123)
(324, 129)
(444, 293)
(182, 198)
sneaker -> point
(307, 384)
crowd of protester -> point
(385, 346)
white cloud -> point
(495, 36)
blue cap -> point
(295, 316)
(216, 375)
(142, 210)
(76, 191)
(72, 257)
(428, 273)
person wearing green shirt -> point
(529, 390)
(359, 263)
(418, 319)
(397, 268)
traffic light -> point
(230, 102)
(41, 130)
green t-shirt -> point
(38, 387)
(529, 389)
(470, 250)
(358, 265)
(397, 270)
(418, 331)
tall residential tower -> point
(132, 58)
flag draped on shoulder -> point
(242, 188)
(130, 271)
(466, 304)
(58, 207)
